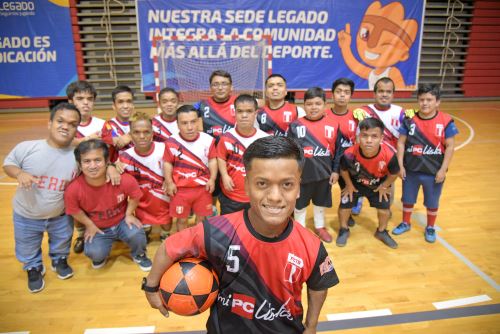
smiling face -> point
(428, 104)
(276, 89)
(384, 94)
(93, 166)
(168, 105)
(314, 108)
(62, 128)
(273, 186)
(123, 106)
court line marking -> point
(359, 314)
(471, 133)
(8, 184)
(15, 333)
(421, 219)
(122, 330)
(461, 302)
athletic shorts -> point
(227, 205)
(432, 190)
(217, 188)
(320, 192)
(363, 191)
(197, 199)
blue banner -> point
(37, 53)
(313, 42)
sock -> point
(431, 216)
(300, 216)
(319, 216)
(407, 210)
(147, 229)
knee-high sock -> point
(300, 216)
(319, 216)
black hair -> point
(343, 81)
(121, 89)
(371, 123)
(89, 145)
(246, 98)
(67, 106)
(167, 90)
(187, 108)
(220, 73)
(80, 86)
(271, 147)
(275, 75)
(433, 89)
(313, 92)
(384, 80)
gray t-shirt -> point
(54, 167)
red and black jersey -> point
(260, 278)
(276, 121)
(320, 141)
(111, 129)
(369, 172)
(348, 126)
(425, 141)
(217, 117)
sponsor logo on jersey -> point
(179, 209)
(416, 149)
(381, 166)
(419, 150)
(243, 305)
(217, 130)
(293, 268)
(325, 266)
(120, 198)
(310, 152)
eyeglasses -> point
(220, 84)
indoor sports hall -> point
(449, 286)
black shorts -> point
(363, 192)
(217, 189)
(320, 192)
(227, 205)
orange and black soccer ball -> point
(190, 286)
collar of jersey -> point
(259, 236)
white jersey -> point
(392, 119)
(94, 125)
(373, 78)
(164, 129)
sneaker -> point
(35, 278)
(356, 210)
(324, 235)
(386, 238)
(98, 265)
(430, 234)
(351, 222)
(401, 228)
(78, 246)
(342, 237)
(62, 268)
(144, 262)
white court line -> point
(8, 184)
(471, 133)
(15, 333)
(123, 330)
(357, 315)
(461, 302)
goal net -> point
(186, 64)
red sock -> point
(431, 216)
(407, 210)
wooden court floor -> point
(403, 283)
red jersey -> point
(104, 205)
(320, 141)
(217, 118)
(147, 169)
(348, 126)
(230, 148)
(425, 141)
(163, 129)
(114, 128)
(257, 294)
(190, 159)
(276, 121)
(369, 172)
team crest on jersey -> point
(179, 209)
(287, 116)
(326, 266)
(293, 268)
(120, 198)
(439, 130)
(329, 131)
(381, 166)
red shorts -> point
(197, 199)
(153, 210)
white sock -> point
(319, 216)
(300, 216)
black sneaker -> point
(98, 265)
(78, 246)
(386, 238)
(35, 279)
(144, 262)
(351, 222)
(62, 268)
(342, 237)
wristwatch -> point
(148, 288)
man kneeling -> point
(107, 211)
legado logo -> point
(12, 6)
(243, 305)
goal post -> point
(186, 63)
